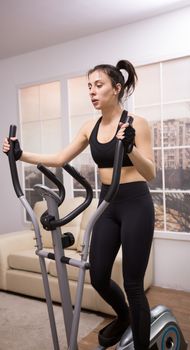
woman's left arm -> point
(142, 155)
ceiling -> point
(28, 25)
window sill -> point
(178, 236)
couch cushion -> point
(25, 260)
(84, 222)
(71, 270)
(66, 207)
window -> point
(40, 117)
(163, 97)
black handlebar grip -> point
(12, 131)
(129, 119)
(49, 222)
(12, 163)
(53, 179)
(88, 198)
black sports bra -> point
(103, 153)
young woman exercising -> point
(129, 219)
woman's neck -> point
(109, 114)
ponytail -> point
(130, 83)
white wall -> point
(172, 261)
(158, 38)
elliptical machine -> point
(165, 333)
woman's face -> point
(102, 93)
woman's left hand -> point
(126, 133)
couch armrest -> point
(9, 243)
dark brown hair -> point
(116, 76)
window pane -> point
(79, 100)
(31, 137)
(176, 79)
(78, 193)
(29, 103)
(81, 193)
(32, 176)
(177, 212)
(59, 175)
(50, 100)
(159, 211)
(76, 122)
(176, 110)
(156, 133)
(99, 183)
(177, 168)
(156, 184)
(147, 91)
(85, 166)
(153, 115)
(41, 131)
(51, 136)
(177, 132)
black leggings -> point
(128, 222)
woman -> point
(129, 220)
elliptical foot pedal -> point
(111, 334)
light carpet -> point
(24, 324)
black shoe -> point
(112, 333)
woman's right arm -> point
(58, 159)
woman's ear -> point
(117, 89)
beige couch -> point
(20, 270)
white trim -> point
(162, 144)
(178, 236)
(164, 103)
(162, 58)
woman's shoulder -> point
(139, 121)
(89, 125)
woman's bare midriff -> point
(128, 174)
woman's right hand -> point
(16, 147)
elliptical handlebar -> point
(53, 179)
(118, 159)
(12, 163)
(49, 222)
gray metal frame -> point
(39, 252)
(71, 316)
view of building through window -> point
(164, 98)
